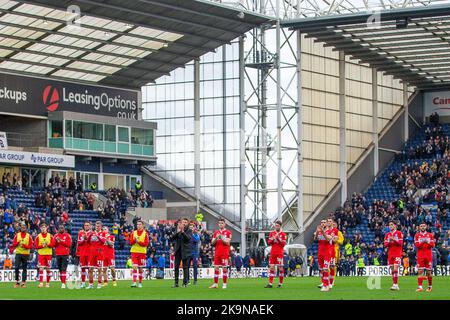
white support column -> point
(376, 155)
(197, 131)
(279, 116)
(100, 182)
(299, 139)
(406, 115)
(342, 129)
(242, 110)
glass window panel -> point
(110, 133)
(124, 134)
(141, 136)
(69, 128)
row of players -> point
(328, 237)
(95, 250)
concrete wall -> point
(169, 194)
(150, 213)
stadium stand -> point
(71, 207)
(412, 189)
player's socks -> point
(271, 276)
(134, 276)
(430, 281)
(63, 277)
(281, 275)
(216, 276)
(332, 274)
(395, 277)
(140, 276)
(325, 281)
(41, 276)
(83, 275)
(49, 276)
(225, 276)
(420, 281)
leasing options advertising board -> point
(38, 97)
(438, 101)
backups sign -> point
(38, 97)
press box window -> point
(142, 136)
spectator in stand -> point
(7, 263)
(434, 119)
(162, 262)
(238, 262)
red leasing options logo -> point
(50, 97)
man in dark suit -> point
(183, 246)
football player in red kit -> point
(109, 257)
(83, 249)
(96, 241)
(424, 242)
(221, 241)
(393, 240)
(277, 239)
(63, 241)
(332, 226)
(325, 238)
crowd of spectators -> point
(418, 183)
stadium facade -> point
(321, 150)
(92, 133)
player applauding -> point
(221, 240)
(324, 236)
(393, 240)
(108, 257)
(277, 239)
(424, 242)
(139, 242)
(83, 249)
(63, 241)
(96, 241)
(44, 243)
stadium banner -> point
(38, 159)
(438, 101)
(39, 96)
(384, 271)
(74, 273)
(3, 141)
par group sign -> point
(37, 159)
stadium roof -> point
(411, 44)
(113, 42)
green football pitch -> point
(351, 288)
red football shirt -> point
(277, 240)
(324, 244)
(424, 242)
(96, 241)
(108, 251)
(83, 246)
(221, 248)
(395, 246)
(62, 248)
(334, 232)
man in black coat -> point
(182, 246)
